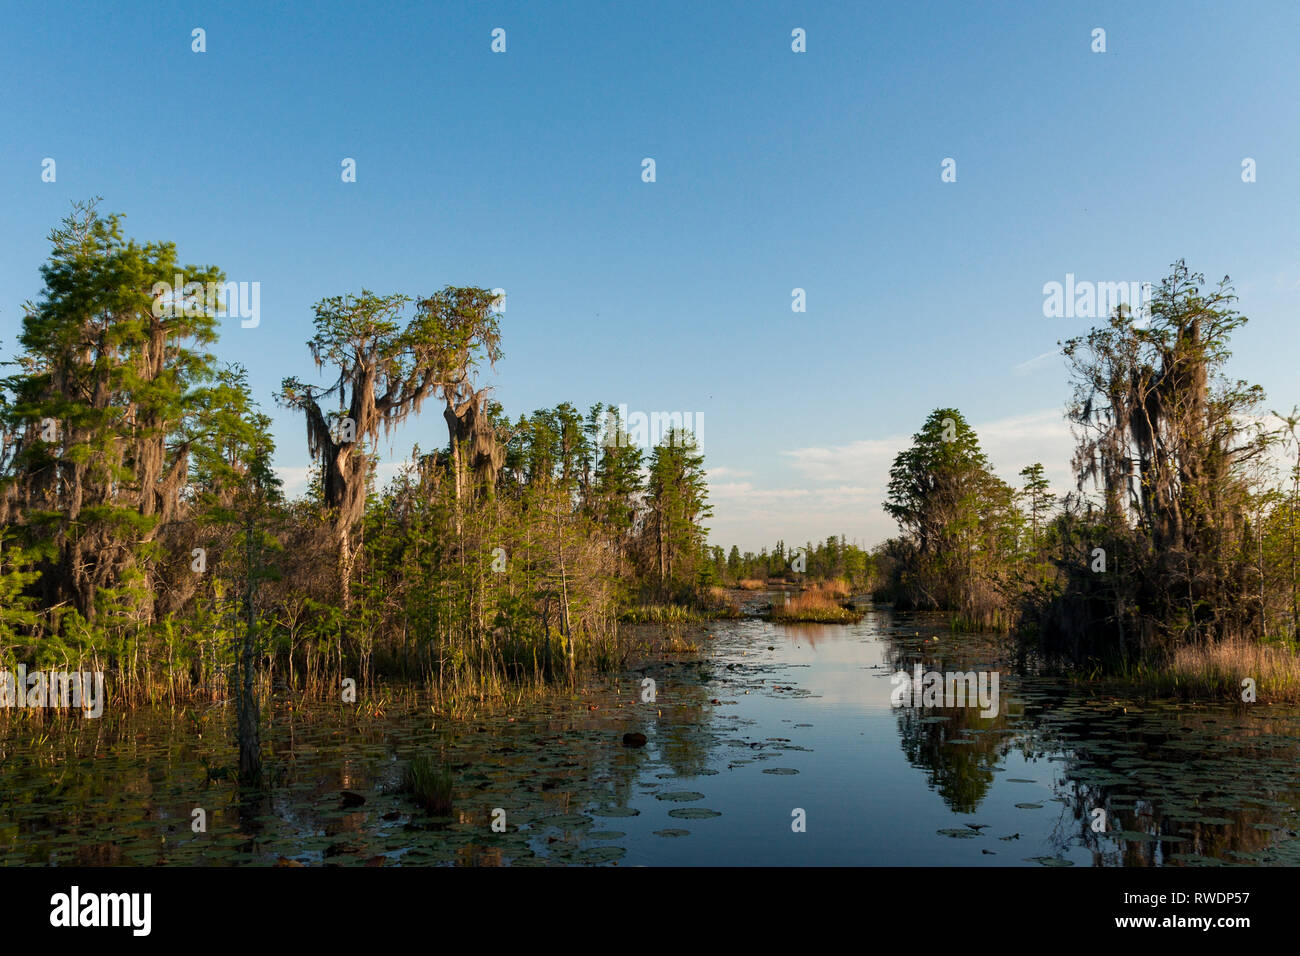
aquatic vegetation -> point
(813, 607)
(660, 614)
(1182, 783)
(1217, 670)
(430, 783)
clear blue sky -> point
(775, 170)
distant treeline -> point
(143, 530)
(1180, 536)
(829, 560)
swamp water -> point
(766, 721)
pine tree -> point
(677, 492)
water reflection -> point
(769, 718)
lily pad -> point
(601, 854)
(694, 813)
(567, 820)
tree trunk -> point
(250, 747)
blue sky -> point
(775, 170)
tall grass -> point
(834, 588)
(429, 784)
(660, 614)
(1211, 671)
(1219, 669)
(817, 607)
(987, 620)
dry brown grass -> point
(751, 584)
(820, 607)
(680, 645)
(837, 588)
(1220, 668)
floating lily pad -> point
(782, 771)
(672, 833)
(567, 820)
(680, 796)
(601, 854)
(694, 813)
(1029, 806)
(962, 834)
(614, 812)
(1049, 861)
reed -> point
(429, 783)
(814, 607)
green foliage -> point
(430, 784)
(106, 385)
(961, 529)
(676, 497)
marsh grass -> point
(661, 614)
(730, 611)
(989, 620)
(680, 645)
(1212, 671)
(429, 783)
(1219, 669)
(813, 607)
(837, 588)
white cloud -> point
(1035, 363)
(843, 487)
(294, 479)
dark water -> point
(768, 721)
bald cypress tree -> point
(1170, 442)
(101, 409)
(386, 369)
(958, 521)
